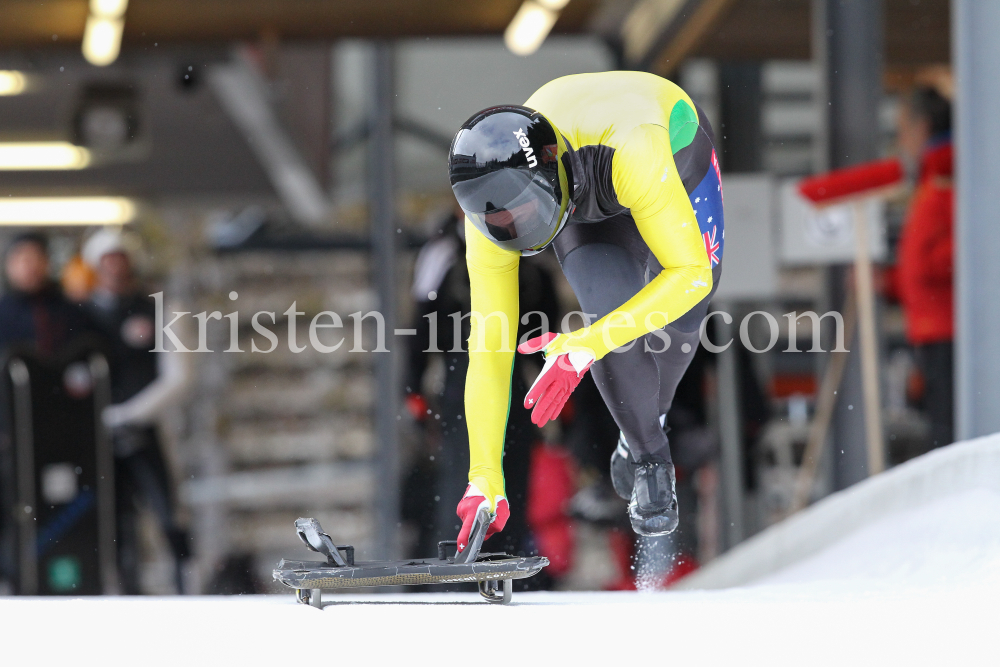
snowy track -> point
(919, 586)
(944, 475)
(777, 625)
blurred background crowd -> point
(241, 156)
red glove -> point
(469, 506)
(559, 377)
(417, 406)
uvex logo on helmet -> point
(522, 139)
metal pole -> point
(852, 59)
(107, 549)
(381, 203)
(730, 435)
(243, 95)
(741, 140)
(976, 54)
(740, 137)
(26, 509)
(848, 44)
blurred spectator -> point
(143, 385)
(78, 279)
(33, 312)
(926, 252)
(591, 434)
(441, 288)
(551, 485)
(34, 318)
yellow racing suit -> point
(623, 130)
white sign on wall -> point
(810, 235)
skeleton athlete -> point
(617, 172)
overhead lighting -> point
(42, 155)
(12, 82)
(66, 210)
(531, 25)
(102, 37)
(112, 9)
(102, 40)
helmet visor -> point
(515, 208)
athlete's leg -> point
(701, 178)
(605, 276)
(672, 363)
(684, 337)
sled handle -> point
(444, 546)
(312, 535)
(476, 536)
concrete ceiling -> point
(185, 143)
(917, 32)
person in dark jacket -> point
(926, 253)
(34, 319)
(33, 312)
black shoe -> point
(622, 469)
(653, 505)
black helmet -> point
(506, 171)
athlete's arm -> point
(493, 274)
(646, 181)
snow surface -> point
(917, 588)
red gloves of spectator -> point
(416, 406)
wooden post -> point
(865, 295)
(825, 402)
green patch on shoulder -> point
(683, 125)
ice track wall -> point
(941, 473)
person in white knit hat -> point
(143, 385)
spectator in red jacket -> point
(926, 253)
